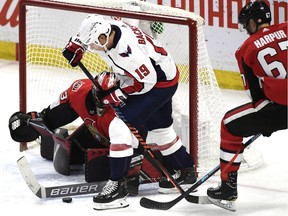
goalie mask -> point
(100, 108)
(107, 83)
(91, 28)
(259, 11)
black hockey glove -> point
(74, 51)
(19, 127)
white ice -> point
(262, 192)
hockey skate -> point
(225, 194)
(185, 178)
(112, 196)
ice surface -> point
(262, 192)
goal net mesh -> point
(48, 73)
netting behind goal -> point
(46, 26)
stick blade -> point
(151, 204)
(28, 176)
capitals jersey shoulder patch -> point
(127, 53)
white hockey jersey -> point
(141, 59)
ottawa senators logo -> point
(90, 123)
(77, 85)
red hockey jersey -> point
(108, 126)
(262, 60)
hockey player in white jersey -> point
(147, 80)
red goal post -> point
(46, 26)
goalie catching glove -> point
(74, 51)
(20, 129)
(110, 92)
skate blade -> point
(225, 204)
(175, 190)
(116, 204)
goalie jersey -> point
(76, 102)
(262, 60)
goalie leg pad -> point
(97, 166)
(47, 147)
(62, 149)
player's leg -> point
(140, 108)
(154, 110)
(115, 191)
(243, 121)
(175, 156)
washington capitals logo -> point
(126, 54)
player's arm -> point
(58, 116)
(74, 51)
(250, 80)
(22, 131)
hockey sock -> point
(179, 159)
(119, 167)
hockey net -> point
(46, 26)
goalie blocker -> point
(80, 148)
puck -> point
(67, 199)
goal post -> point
(45, 27)
(29, 51)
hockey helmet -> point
(92, 27)
(107, 83)
(259, 11)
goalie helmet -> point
(92, 27)
(259, 11)
(107, 83)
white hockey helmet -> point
(92, 27)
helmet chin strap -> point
(105, 48)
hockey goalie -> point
(102, 138)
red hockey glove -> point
(74, 51)
(109, 92)
(116, 97)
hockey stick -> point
(189, 198)
(152, 204)
(55, 191)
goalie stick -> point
(152, 204)
(72, 189)
(189, 198)
(55, 191)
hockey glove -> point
(19, 127)
(110, 92)
(74, 51)
(116, 97)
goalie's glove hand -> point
(19, 127)
(24, 118)
(74, 51)
(116, 97)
